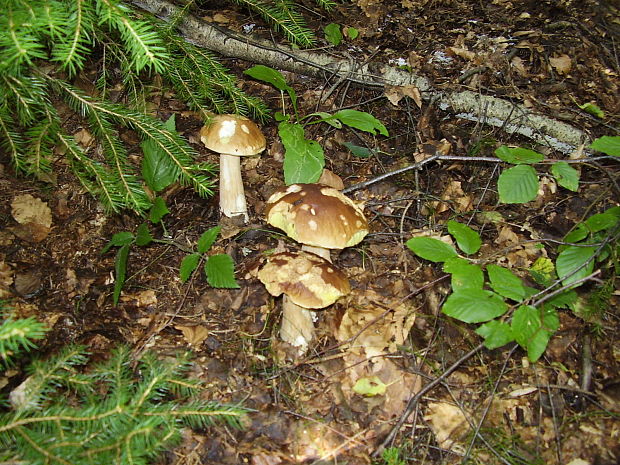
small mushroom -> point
(307, 282)
(321, 218)
(232, 136)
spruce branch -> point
(282, 17)
(76, 43)
(130, 418)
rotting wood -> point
(510, 117)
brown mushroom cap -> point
(232, 135)
(307, 279)
(317, 215)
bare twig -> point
(411, 405)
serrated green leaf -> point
(572, 258)
(518, 184)
(369, 386)
(207, 239)
(505, 283)
(431, 249)
(360, 152)
(188, 265)
(118, 240)
(566, 175)
(518, 155)
(333, 34)
(158, 210)
(467, 239)
(303, 159)
(120, 271)
(143, 235)
(609, 145)
(362, 121)
(532, 331)
(465, 275)
(220, 271)
(158, 169)
(601, 222)
(495, 334)
(474, 305)
(593, 109)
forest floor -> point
(496, 407)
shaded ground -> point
(550, 55)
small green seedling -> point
(219, 268)
(333, 34)
(304, 159)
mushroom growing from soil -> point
(308, 282)
(321, 218)
(232, 136)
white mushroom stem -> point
(297, 322)
(232, 195)
(297, 325)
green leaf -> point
(120, 271)
(609, 145)
(533, 332)
(118, 240)
(518, 184)
(601, 222)
(303, 159)
(143, 235)
(351, 32)
(566, 299)
(360, 152)
(267, 74)
(370, 386)
(326, 118)
(572, 258)
(158, 169)
(188, 265)
(474, 305)
(579, 233)
(158, 210)
(431, 249)
(593, 109)
(566, 175)
(465, 275)
(518, 155)
(333, 34)
(207, 239)
(273, 77)
(220, 271)
(495, 334)
(362, 121)
(467, 239)
(543, 271)
(505, 283)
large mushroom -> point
(232, 136)
(321, 218)
(307, 282)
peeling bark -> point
(510, 117)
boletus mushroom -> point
(233, 137)
(321, 218)
(307, 282)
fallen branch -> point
(510, 117)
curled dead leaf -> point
(27, 209)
